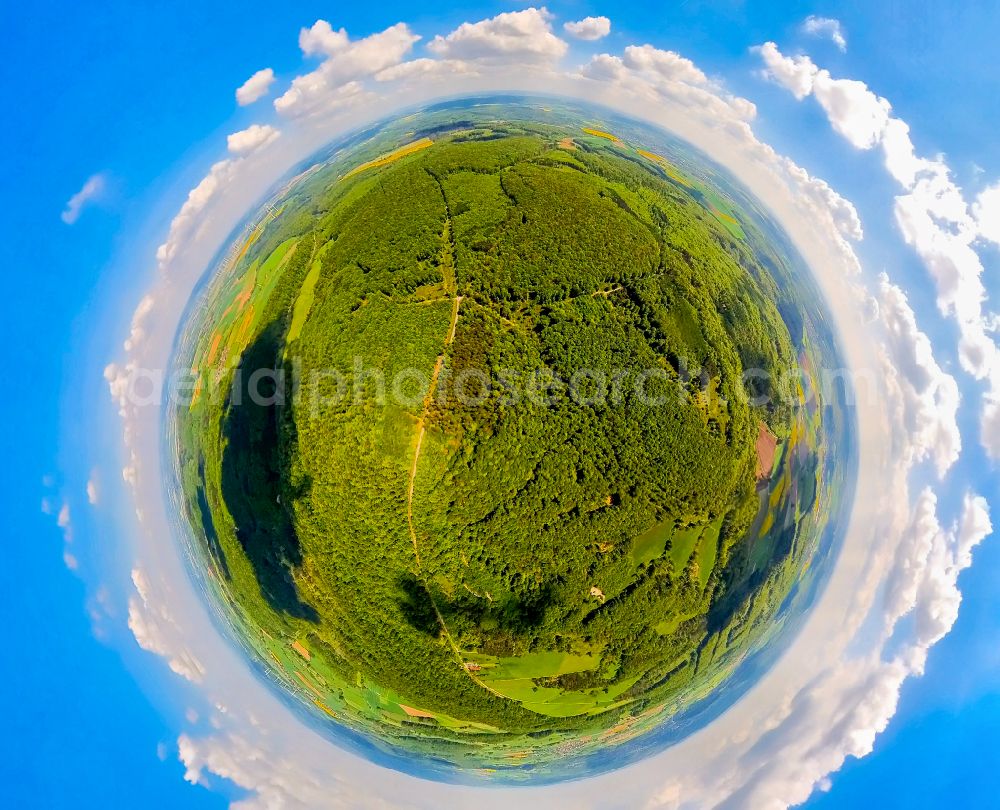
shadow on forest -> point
(741, 579)
(253, 470)
(509, 617)
(208, 524)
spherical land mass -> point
(505, 454)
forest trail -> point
(421, 430)
(448, 272)
(422, 424)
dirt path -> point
(421, 430)
(448, 272)
(422, 424)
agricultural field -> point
(471, 469)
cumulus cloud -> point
(605, 67)
(855, 112)
(190, 220)
(987, 212)
(156, 631)
(251, 139)
(989, 424)
(932, 213)
(852, 109)
(928, 398)
(315, 97)
(335, 81)
(925, 582)
(137, 326)
(842, 212)
(276, 781)
(794, 73)
(120, 379)
(589, 28)
(426, 68)
(183, 224)
(524, 36)
(825, 27)
(255, 88)
(668, 65)
(88, 193)
(320, 38)
(666, 76)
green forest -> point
(471, 437)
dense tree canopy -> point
(510, 490)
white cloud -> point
(335, 80)
(426, 68)
(666, 76)
(120, 380)
(322, 39)
(93, 488)
(137, 330)
(100, 610)
(183, 224)
(521, 36)
(928, 398)
(65, 522)
(987, 212)
(852, 109)
(794, 73)
(315, 97)
(944, 243)
(854, 112)
(604, 67)
(825, 27)
(927, 582)
(937, 222)
(842, 211)
(156, 630)
(589, 28)
(90, 191)
(251, 139)
(276, 781)
(189, 220)
(664, 64)
(900, 158)
(989, 424)
(255, 88)
(933, 214)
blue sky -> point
(144, 96)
